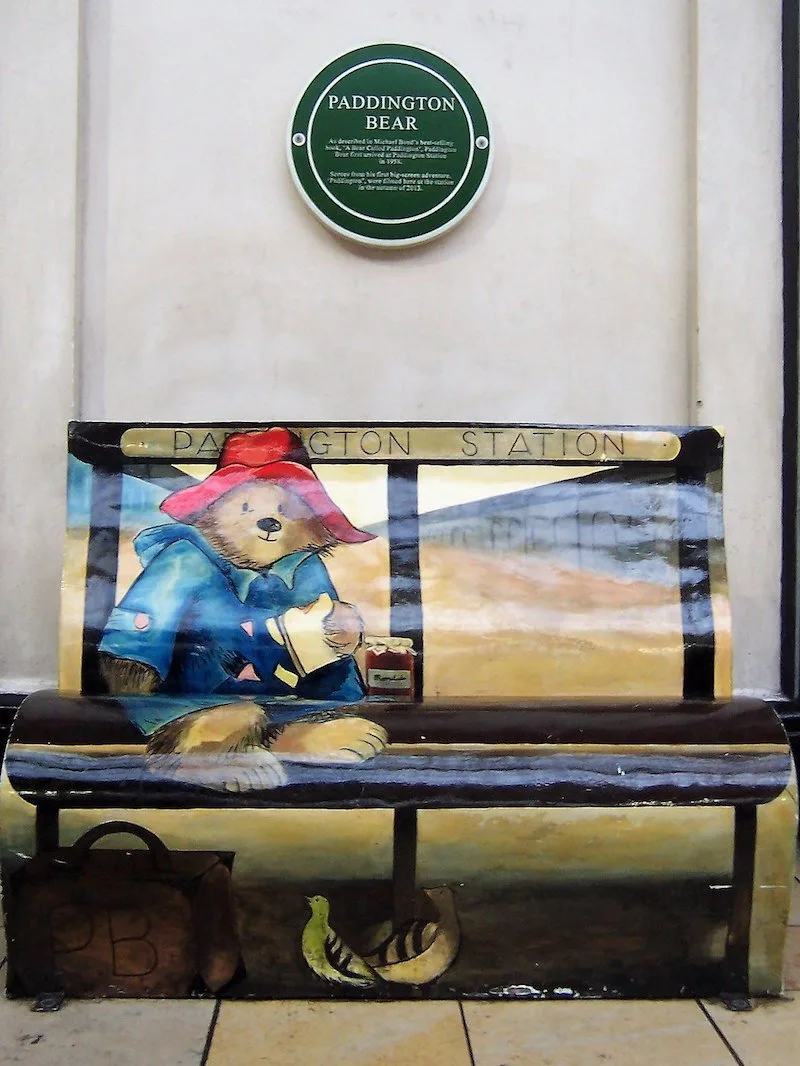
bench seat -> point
(468, 754)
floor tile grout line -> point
(720, 1033)
(212, 1025)
(466, 1033)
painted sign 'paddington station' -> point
(440, 443)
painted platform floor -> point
(298, 1033)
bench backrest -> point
(519, 561)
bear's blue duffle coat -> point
(200, 622)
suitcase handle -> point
(157, 848)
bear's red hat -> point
(268, 455)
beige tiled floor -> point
(321, 1034)
(132, 1033)
(576, 1034)
(770, 1035)
(191, 1033)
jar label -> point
(389, 678)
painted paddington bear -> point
(234, 607)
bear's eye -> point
(280, 509)
(245, 507)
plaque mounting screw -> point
(481, 142)
(299, 139)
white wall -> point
(740, 332)
(38, 128)
(625, 254)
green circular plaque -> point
(390, 145)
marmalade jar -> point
(390, 667)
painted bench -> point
(294, 622)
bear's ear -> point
(325, 544)
(320, 539)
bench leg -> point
(46, 827)
(404, 864)
(737, 948)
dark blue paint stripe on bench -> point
(440, 781)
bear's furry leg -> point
(242, 726)
(236, 748)
(224, 748)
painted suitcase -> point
(123, 923)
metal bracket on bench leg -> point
(737, 948)
(736, 1003)
(47, 1002)
(404, 864)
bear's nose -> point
(269, 525)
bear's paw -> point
(236, 771)
(337, 740)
